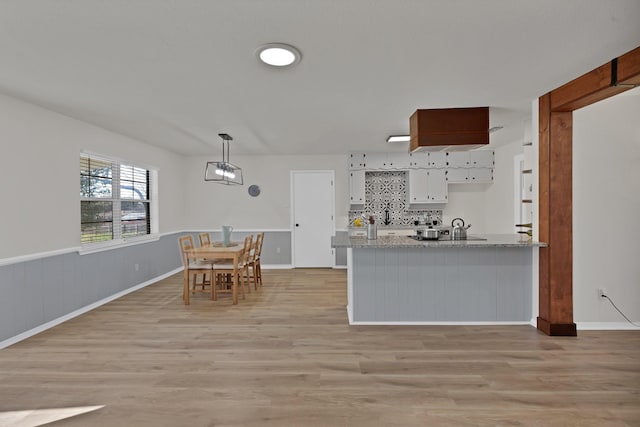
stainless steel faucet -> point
(387, 219)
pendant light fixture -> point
(223, 172)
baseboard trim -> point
(339, 267)
(277, 267)
(424, 323)
(85, 309)
(606, 326)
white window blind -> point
(115, 200)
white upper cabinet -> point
(397, 160)
(357, 161)
(437, 159)
(457, 159)
(418, 186)
(456, 167)
(470, 159)
(481, 175)
(481, 159)
(457, 175)
(469, 175)
(422, 160)
(418, 160)
(356, 186)
(376, 161)
(427, 186)
(438, 190)
(387, 161)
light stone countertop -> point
(388, 242)
(397, 226)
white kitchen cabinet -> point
(457, 159)
(470, 159)
(481, 175)
(457, 175)
(387, 161)
(427, 186)
(418, 186)
(357, 161)
(481, 159)
(356, 187)
(422, 160)
(438, 190)
(418, 160)
(437, 159)
(397, 161)
(376, 161)
(469, 176)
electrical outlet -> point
(136, 267)
(601, 293)
(277, 250)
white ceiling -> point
(175, 73)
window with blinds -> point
(115, 202)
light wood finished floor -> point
(287, 357)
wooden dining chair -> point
(224, 271)
(194, 267)
(254, 261)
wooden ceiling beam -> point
(617, 76)
(629, 68)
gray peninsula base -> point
(439, 284)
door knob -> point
(297, 225)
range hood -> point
(450, 129)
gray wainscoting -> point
(442, 285)
(39, 291)
(341, 253)
(276, 249)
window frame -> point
(117, 239)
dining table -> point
(217, 250)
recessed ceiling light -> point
(279, 54)
(398, 138)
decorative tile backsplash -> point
(388, 191)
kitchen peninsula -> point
(398, 280)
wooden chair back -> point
(186, 243)
(259, 241)
(246, 253)
(205, 239)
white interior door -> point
(312, 217)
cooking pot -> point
(459, 231)
(428, 233)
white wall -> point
(212, 205)
(467, 201)
(39, 177)
(606, 209)
(489, 208)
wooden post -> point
(555, 220)
(555, 186)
